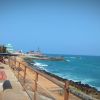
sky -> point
(54, 26)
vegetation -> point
(2, 49)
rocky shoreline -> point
(86, 88)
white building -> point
(9, 48)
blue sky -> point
(55, 26)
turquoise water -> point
(78, 68)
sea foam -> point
(68, 60)
(39, 64)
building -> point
(9, 48)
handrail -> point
(64, 84)
(55, 81)
(45, 76)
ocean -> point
(77, 68)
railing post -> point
(66, 91)
(35, 91)
(18, 70)
(15, 60)
(15, 63)
(24, 74)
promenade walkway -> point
(13, 92)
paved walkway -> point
(17, 92)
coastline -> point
(85, 88)
(46, 84)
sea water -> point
(77, 68)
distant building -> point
(36, 53)
(9, 48)
(19, 52)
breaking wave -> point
(39, 64)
